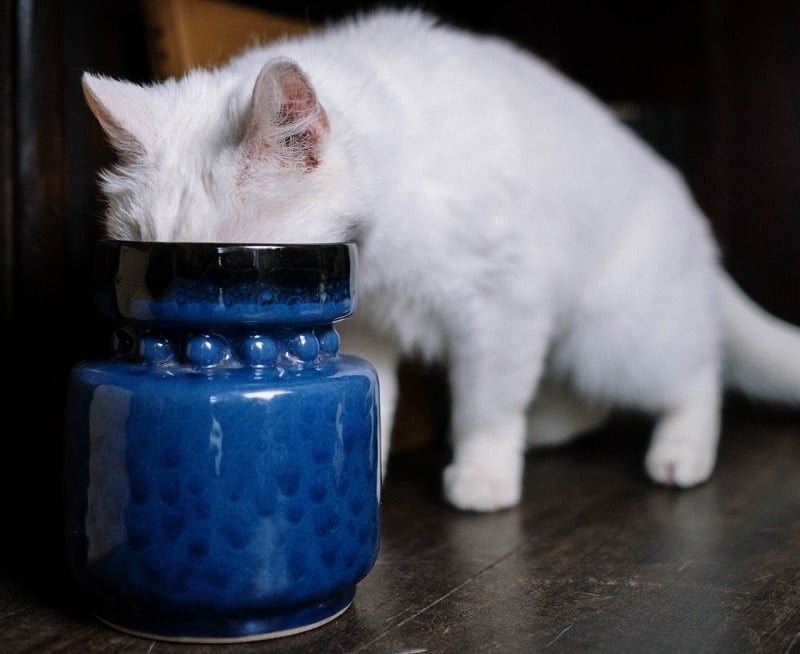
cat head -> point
(215, 156)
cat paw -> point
(476, 487)
(678, 464)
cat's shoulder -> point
(383, 26)
(390, 20)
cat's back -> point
(453, 123)
(384, 35)
(409, 50)
(436, 81)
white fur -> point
(506, 224)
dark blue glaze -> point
(222, 484)
(208, 284)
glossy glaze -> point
(222, 467)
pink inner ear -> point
(285, 114)
(299, 101)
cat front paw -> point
(476, 487)
(679, 464)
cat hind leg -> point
(683, 449)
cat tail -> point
(762, 352)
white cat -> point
(507, 224)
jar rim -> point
(157, 281)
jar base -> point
(200, 629)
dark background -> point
(713, 84)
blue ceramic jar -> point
(222, 467)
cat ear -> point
(123, 111)
(286, 119)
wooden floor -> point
(595, 560)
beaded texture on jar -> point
(222, 467)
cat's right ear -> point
(286, 121)
(123, 112)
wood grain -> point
(595, 559)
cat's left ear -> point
(286, 119)
(123, 111)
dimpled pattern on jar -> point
(224, 477)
